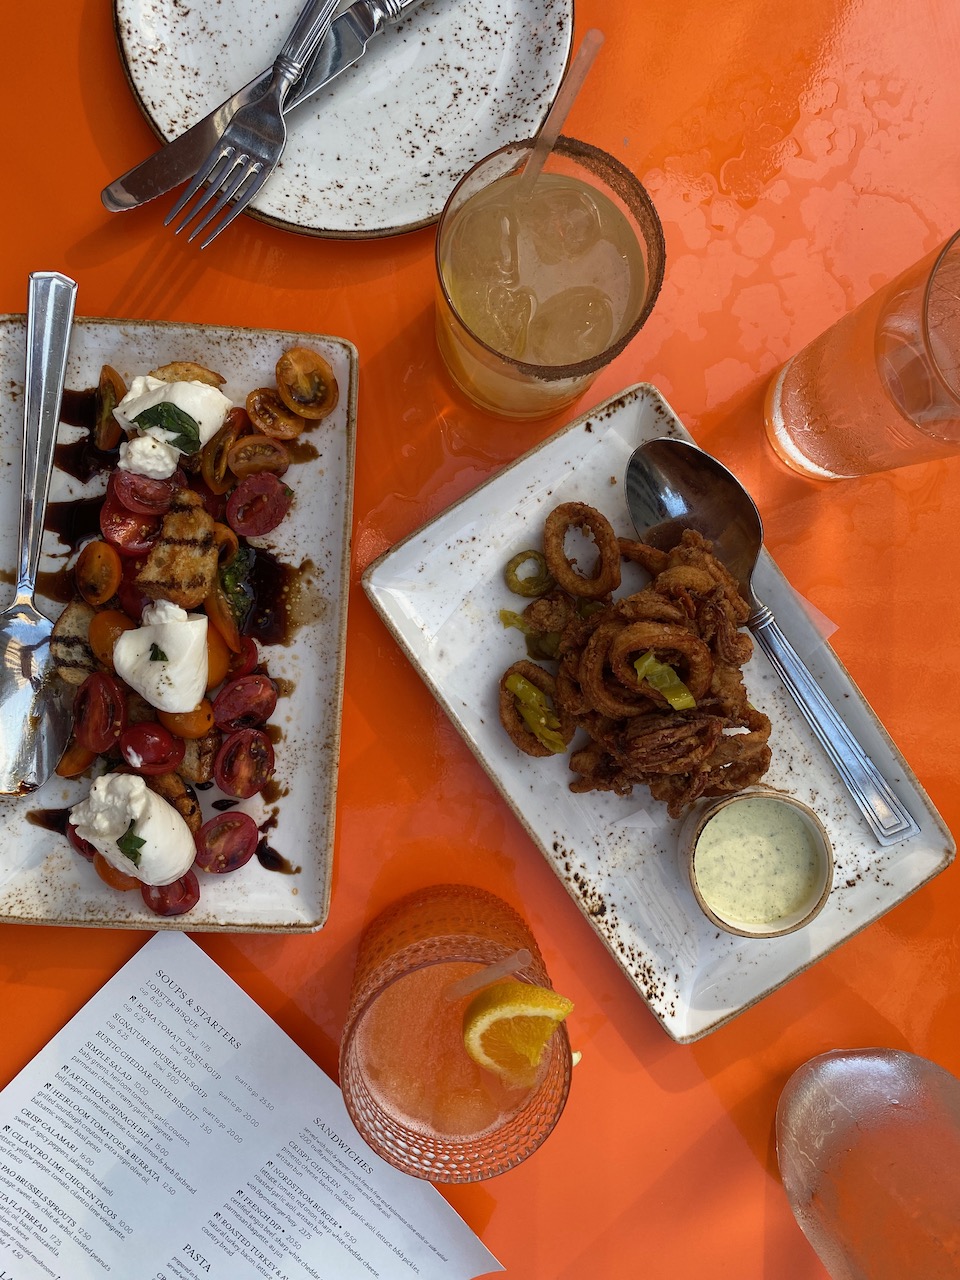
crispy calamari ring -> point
(520, 734)
(668, 744)
(606, 576)
(665, 640)
(624, 698)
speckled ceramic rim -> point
(697, 820)
(617, 181)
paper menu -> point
(172, 1131)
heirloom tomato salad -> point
(172, 694)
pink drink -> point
(411, 1088)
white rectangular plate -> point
(440, 591)
(42, 881)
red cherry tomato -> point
(245, 703)
(150, 748)
(132, 600)
(143, 495)
(227, 842)
(258, 504)
(172, 899)
(244, 763)
(83, 847)
(131, 534)
(99, 713)
(245, 659)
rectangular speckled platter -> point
(440, 591)
(42, 881)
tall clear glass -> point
(881, 388)
(539, 289)
(413, 1092)
(868, 1142)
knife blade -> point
(182, 156)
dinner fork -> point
(253, 141)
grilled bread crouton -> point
(172, 788)
(182, 564)
(70, 643)
(197, 764)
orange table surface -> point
(800, 156)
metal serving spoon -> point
(34, 719)
(671, 486)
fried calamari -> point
(653, 679)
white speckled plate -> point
(42, 881)
(379, 151)
(440, 591)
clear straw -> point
(557, 115)
(489, 974)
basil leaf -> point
(182, 430)
(157, 654)
(130, 845)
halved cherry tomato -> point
(226, 842)
(213, 456)
(83, 847)
(257, 453)
(75, 760)
(244, 763)
(218, 658)
(132, 600)
(306, 383)
(217, 608)
(245, 703)
(99, 713)
(258, 504)
(111, 388)
(112, 876)
(106, 626)
(131, 534)
(245, 659)
(272, 416)
(150, 748)
(226, 542)
(98, 571)
(172, 899)
(189, 724)
(143, 495)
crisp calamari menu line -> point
(172, 1131)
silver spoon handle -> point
(888, 819)
(50, 306)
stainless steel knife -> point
(180, 158)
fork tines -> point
(231, 176)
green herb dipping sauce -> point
(757, 861)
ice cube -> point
(501, 318)
(563, 221)
(573, 325)
(483, 245)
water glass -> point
(881, 388)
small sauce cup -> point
(760, 862)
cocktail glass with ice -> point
(413, 1091)
(541, 284)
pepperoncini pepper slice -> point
(537, 712)
(533, 584)
(665, 680)
(540, 644)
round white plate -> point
(379, 150)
